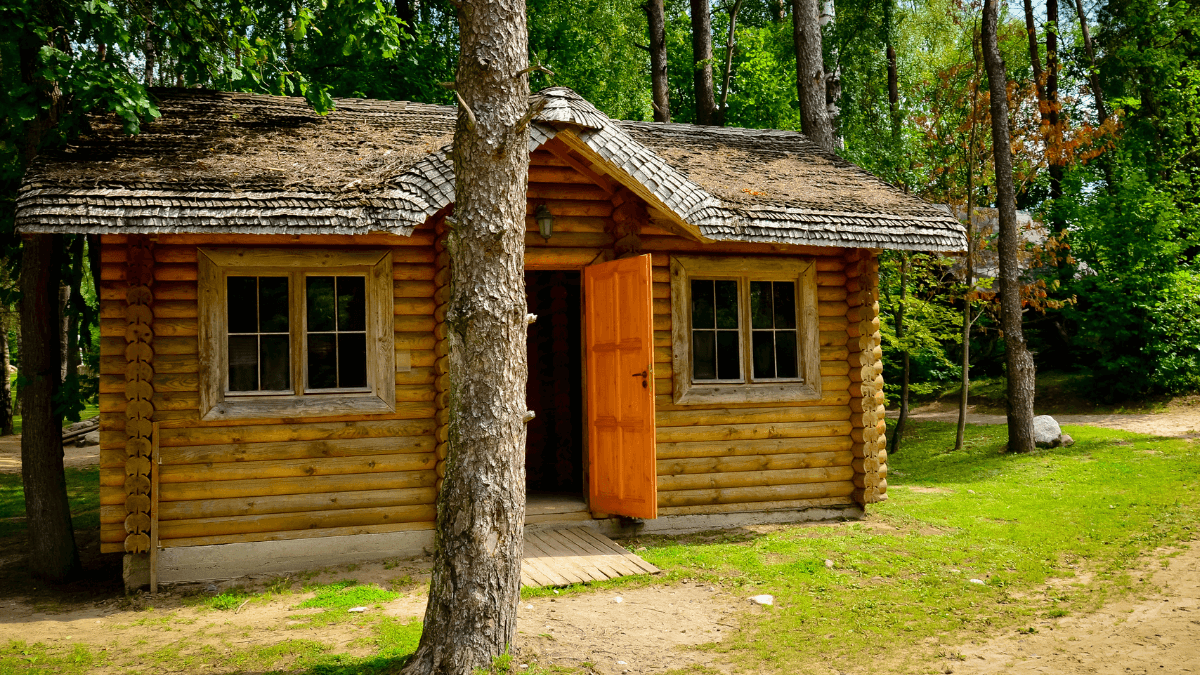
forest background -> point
(1105, 112)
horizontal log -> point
(572, 207)
(288, 468)
(175, 400)
(418, 306)
(835, 338)
(411, 323)
(261, 487)
(560, 258)
(116, 272)
(162, 383)
(412, 289)
(831, 294)
(569, 224)
(419, 424)
(164, 345)
(412, 272)
(541, 190)
(296, 534)
(834, 353)
(291, 450)
(780, 505)
(758, 447)
(176, 364)
(752, 431)
(422, 375)
(163, 309)
(832, 323)
(161, 328)
(760, 493)
(414, 341)
(420, 237)
(682, 245)
(172, 529)
(719, 416)
(663, 402)
(705, 465)
(569, 240)
(410, 393)
(321, 501)
(749, 479)
(557, 174)
(834, 368)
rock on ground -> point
(1046, 432)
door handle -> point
(645, 374)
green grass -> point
(83, 495)
(1013, 522)
(20, 657)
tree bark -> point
(52, 552)
(889, 18)
(6, 402)
(1035, 58)
(149, 52)
(471, 616)
(898, 432)
(729, 40)
(1093, 76)
(810, 74)
(659, 85)
(77, 310)
(1019, 362)
(967, 319)
(702, 59)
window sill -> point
(323, 405)
(747, 393)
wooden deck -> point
(576, 555)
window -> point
(744, 330)
(295, 332)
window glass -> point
(716, 352)
(773, 330)
(336, 339)
(259, 345)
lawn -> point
(969, 545)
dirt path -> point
(1173, 423)
(73, 457)
(1157, 634)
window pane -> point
(704, 355)
(728, 363)
(352, 360)
(785, 354)
(273, 354)
(322, 361)
(702, 304)
(727, 304)
(352, 304)
(320, 302)
(760, 304)
(240, 293)
(273, 304)
(785, 304)
(243, 362)
(764, 354)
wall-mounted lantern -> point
(545, 221)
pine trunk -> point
(471, 616)
(52, 552)
(1018, 360)
(6, 402)
(810, 74)
(659, 85)
(729, 42)
(1093, 76)
(702, 60)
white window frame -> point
(801, 271)
(215, 265)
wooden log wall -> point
(725, 457)
(253, 480)
(139, 391)
(866, 378)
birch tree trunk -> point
(810, 74)
(702, 61)
(659, 85)
(1019, 362)
(52, 551)
(729, 43)
(471, 616)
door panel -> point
(620, 348)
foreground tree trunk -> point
(659, 85)
(810, 74)
(702, 62)
(905, 358)
(6, 402)
(472, 612)
(1021, 372)
(52, 552)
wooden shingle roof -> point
(245, 163)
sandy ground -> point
(73, 457)
(1176, 423)
(1156, 634)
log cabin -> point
(273, 289)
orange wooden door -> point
(620, 387)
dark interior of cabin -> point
(554, 442)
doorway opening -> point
(554, 437)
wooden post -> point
(155, 464)
(866, 376)
(139, 391)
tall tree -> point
(905, 356)
(1021, 372)
(728, 71)
(893, 73)
(810, 74)
(471, 616)
(702, 61)
(660, 87)
(1093, 73)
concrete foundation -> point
(187, 564)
